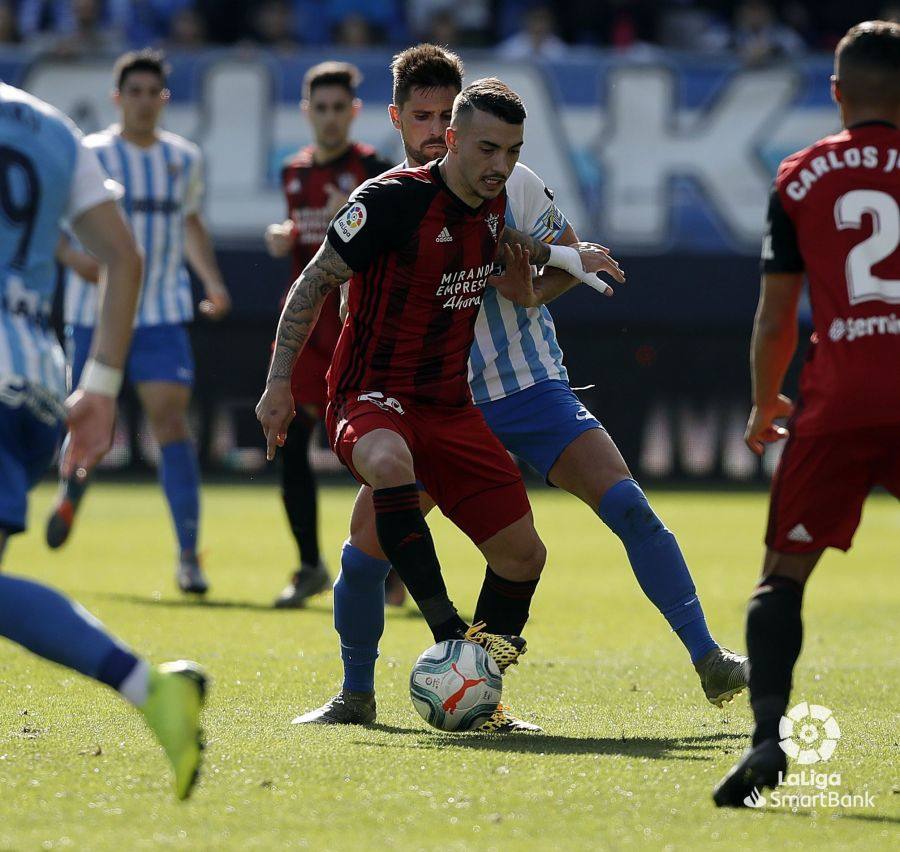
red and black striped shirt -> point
(421, 259)
(306, 185)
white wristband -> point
(98, 378)
(568, 259)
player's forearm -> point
(539, 251)
(772, 349)
(103, 232)
(120, 288)
(553, 282)
(324, 273)
(200, 253)
(79, 261)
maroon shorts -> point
(822, 482)
(462, 465)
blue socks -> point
(657, 563)
(53, 627)
(180, 478)
(359, 615)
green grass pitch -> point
(631, 749)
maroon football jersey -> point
(421, 259)
(835, 214)
(305, 185)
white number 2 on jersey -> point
(849, 209)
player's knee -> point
(528, 564)
(627, 512)
(169, 427)
(388, 466)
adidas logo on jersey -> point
(444, 237)
(800, 533)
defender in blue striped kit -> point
(520, 385)
(162, 179)
(47, 176)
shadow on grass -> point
(206, 603)
(324, 606)
(657, 748)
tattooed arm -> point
(538, 251)
(275, 409)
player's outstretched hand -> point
(515, 283)
(217, 302)
(761, 428)
(596, 259)
(280, 238)
(90, 418)
(275, 411)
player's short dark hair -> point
(425, 66)
(867, 63)
(153, 61)
(332, 74)
(492, 96)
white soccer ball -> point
(455, 686)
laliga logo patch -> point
(809, 733)
(348, 225)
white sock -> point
(135, 687)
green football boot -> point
(172, 710)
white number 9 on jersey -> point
(862, 284)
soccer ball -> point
(455, 685)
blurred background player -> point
(58, 177)
(834, 216)
(316, 181)
(162, 177)
(520, 384)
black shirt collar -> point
(876, 122)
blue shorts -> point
(28, 445)
(159, 353)
(538, 423)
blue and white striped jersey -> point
(516, 347)
(47, 175)
(162, 185)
